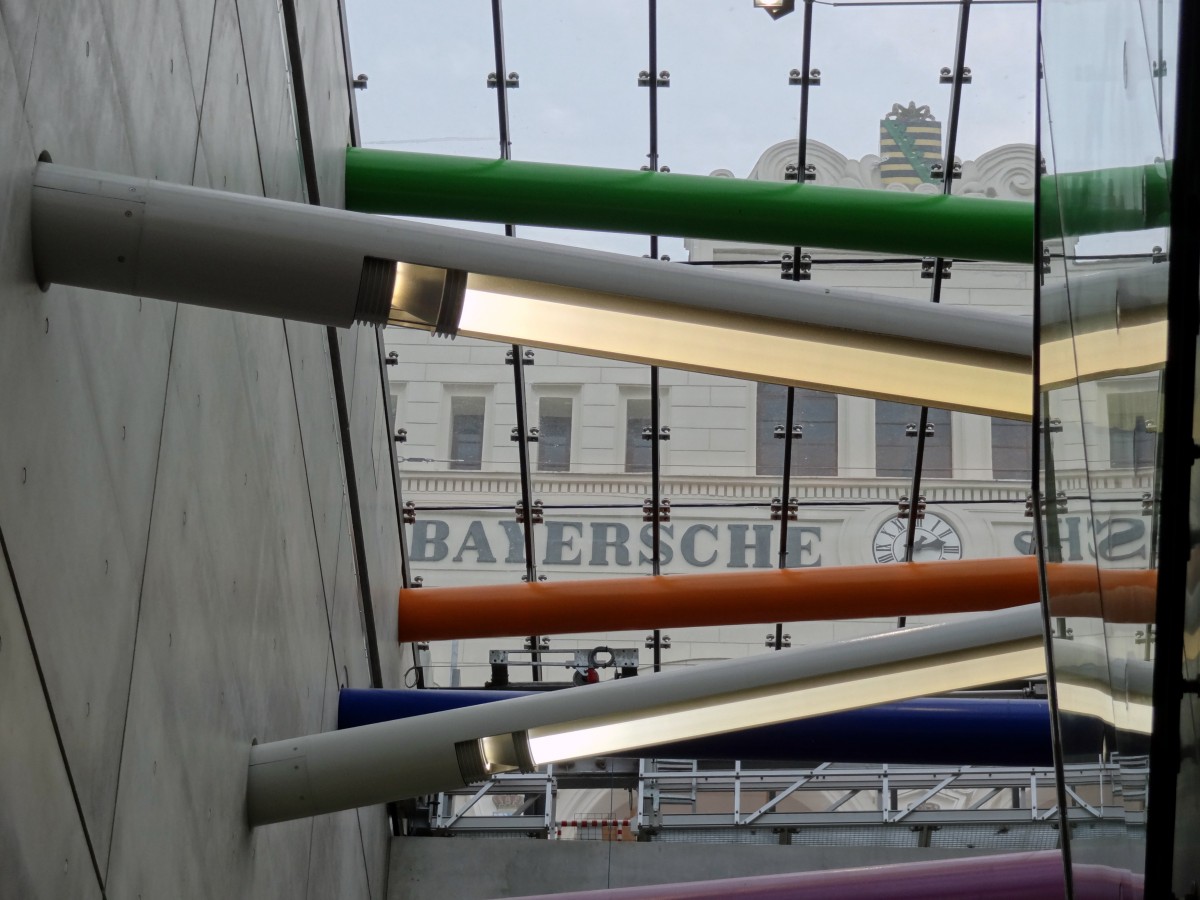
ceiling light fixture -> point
(776, 9)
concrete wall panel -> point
(171, 480)
(336, 864)
(227, 126)
(376, 839)
(329, 106)
(72, 106)
(83, 376)
(422, 867)
(233, 639)
(308, 357)
(41, 837)
(345, 615)
(348, 339)
(154, 87)
(196, 23)
(271, 93)
(383, 539)
(19, 22)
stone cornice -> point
(492, 488)
(1005, 172)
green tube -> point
(732, 209)
(1132, 198)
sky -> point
(729, 98)
(728, 101)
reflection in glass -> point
(1101, 348)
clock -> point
(935, 539)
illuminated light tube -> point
(332, 267)
(1102, 325)
(1035, 874)
(1117, 690)
(697, 206)
(777, 595)
(410, 757)
(929, 731)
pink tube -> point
(1009, 876)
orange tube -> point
(745, 598)
(1125, 596)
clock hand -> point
(924, 542)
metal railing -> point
(659, 799)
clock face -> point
(935, 539)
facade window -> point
(1012, 451)
(637, 449)
(896, 452)
(554, 441)
(1131, 418)
(816, 412)
(466, 432)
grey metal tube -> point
(1102, 299)
(270, 257)
(210, 248)
(392, 760)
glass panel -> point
(638, 434)
(1012, 447)
(578, 104)
(1099, 445)
(729, 107)
(914, 40)
(815, 452)
(466, 432)
(997, 110)
(555, 424)
(896, 441)
(1131, 428)
(459, 117)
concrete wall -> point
(474, 869)
(180, 573)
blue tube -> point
(936, 731)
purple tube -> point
(1010, 876)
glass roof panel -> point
(579, 100)
(896, 57)
(998, 105)
(427, 88)
(729, 97)
(729, 106)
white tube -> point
(422, 755)
(174, 242)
